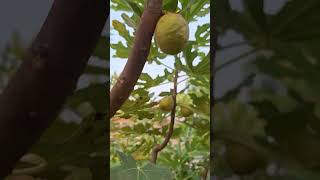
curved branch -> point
(138, 56)
(158, 148)
(48, 75)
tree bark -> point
(48, 75)
(138, 56)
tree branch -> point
(138, 56)
(48, 75)
(158, 148)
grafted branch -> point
(138, 56)
(48, 75)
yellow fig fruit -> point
(171, 33)
(166, 103)
(185, 111)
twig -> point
(234, 60)
(158, 147)
(138, 56)
(183, 80)
(232, 45)
(165, 65)
(171, 82)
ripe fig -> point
(166, 103)
(171, 33)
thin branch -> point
(183, 80)
(48, 75)
(165, 65)
(138, 56)
(158, 148)
(171, 82)
(232, 45)
(234, 60)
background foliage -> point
(274, 132)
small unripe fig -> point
(185, 111)
(204, 108)
(166, 103)
(242, 159)
(171, 33)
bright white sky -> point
(117, 64)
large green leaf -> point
(122, 30)
(121, 50)
(130, 170)
(136, 9)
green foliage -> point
(129, 169)
(290, 138)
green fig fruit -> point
(242, 159)
(185, 111)
(171, 33)
(166, 103)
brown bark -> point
(138, 56)
(48, 75)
